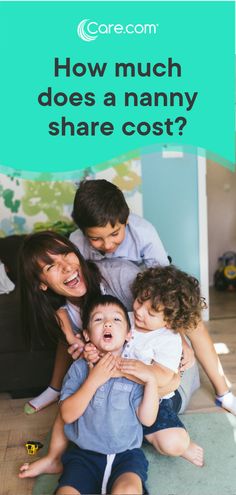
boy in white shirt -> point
(167, 301)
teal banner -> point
(83, 83)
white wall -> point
(221, 192)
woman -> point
(56, 282)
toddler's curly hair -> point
(174, 292)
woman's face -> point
(63, 275)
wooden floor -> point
(16, 428)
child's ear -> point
(43, 286)
(128, 336)
(86, 335)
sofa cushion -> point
(9, 249)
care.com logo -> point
(89, 30)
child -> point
(107, 230)
(103, 414)
(166, 300)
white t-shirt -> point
(162, 345)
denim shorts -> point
(84, 469)
(167, 416)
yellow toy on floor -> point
(33, 446)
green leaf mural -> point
(48, 198)
(31, 205)
(8, 197)
(125, 178)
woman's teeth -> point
(72, 281)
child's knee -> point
(176, 442)
(127, 484)
(67, 490)
(172, 441)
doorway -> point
(221, 207)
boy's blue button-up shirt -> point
(141, 245)
(109, 425)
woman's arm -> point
(206, 355)
(66, 328)
(171, 387)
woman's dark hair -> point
(103, 300)
(98, 203)
(39, 307)
(174, 292)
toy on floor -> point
(33, 446)
(225, 275)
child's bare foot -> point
(194, 454)
(45, 465)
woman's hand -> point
(77, 347)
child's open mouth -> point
(107, 336)
(73, 280)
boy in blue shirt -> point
(103, 414)
(109, 230)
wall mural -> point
(27, 206)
